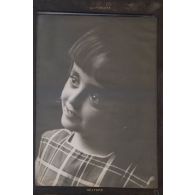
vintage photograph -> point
(96, 101)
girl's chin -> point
(68, 124)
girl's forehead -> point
(106, 76)
(88, 77)
(90, 81)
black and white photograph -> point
(97, 97)
(96, 101)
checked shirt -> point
(60, 164)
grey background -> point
(55, 35)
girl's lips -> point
(70, 113)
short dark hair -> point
(118, 57)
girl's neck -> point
(89, 146)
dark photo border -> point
(111, 8)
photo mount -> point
(127, 8)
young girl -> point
(98, 114)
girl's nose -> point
(76, 99)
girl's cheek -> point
(63, 94)
(65, 91)
(91, 114)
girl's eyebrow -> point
(75, 73)
(98, 89)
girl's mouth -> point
(69, 112)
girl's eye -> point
(95, 99)
(74, 81)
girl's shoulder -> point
(133, 174)
(57, 134)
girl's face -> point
(88, 108)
